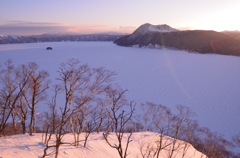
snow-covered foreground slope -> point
(25, 146)
(209, 84)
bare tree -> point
(119, 118)
(159, 119)
(99, 114)
(236, 139)
(9, 85)
(190, 132)
(9, 94)
(179, 124)
(22, 106)
(36, 91)
(81, 86)
(96, 116)
(90, 127)
(58, 130)
(72, 75)
(147, 149)
(155, 116)
(213, 144)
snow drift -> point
(25, 146)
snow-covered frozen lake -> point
(209, 84)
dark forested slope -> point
(193, 41)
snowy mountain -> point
(58, 38)
(146, 28)
(201, 41)
(25, 146)
(9, 39)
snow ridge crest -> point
(147, 27)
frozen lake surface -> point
(209, 84)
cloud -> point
(36, 28)
(31, 28)
(32, 23)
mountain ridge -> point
(200, 41)
(10, 39)
(147, 27)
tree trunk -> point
(57, 150)
(14, 125)
(31, 122)
(23, 123)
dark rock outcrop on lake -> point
(49, 48)
(57, 38)
(193, 41)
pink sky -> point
(91, 16)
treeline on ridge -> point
(199, 41)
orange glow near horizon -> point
(221, 20)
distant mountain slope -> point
(234, 34)
(57, 38)
(193, 41)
